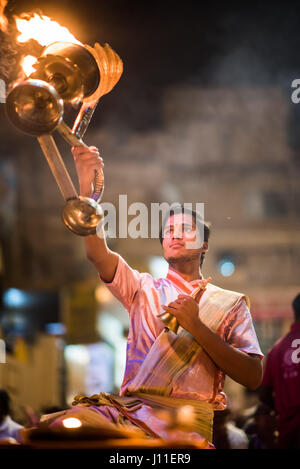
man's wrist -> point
(85, 190)
(200, 330)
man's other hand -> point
(186, 311)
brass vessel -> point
(66, 73)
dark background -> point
(166, 43)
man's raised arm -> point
(87, 160)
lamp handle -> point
(75, 140)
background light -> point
(14, 298)
(103, 295)
(158, 266)
(55, 328)
(77, 354)
(72, 422)
(226, 267)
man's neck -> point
(187, 272)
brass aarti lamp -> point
(66, 73)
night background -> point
(202, 113)
(167, 43)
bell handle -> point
(83, 119)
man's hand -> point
(186, 311)
(240, 366)
(87, 160)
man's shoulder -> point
(214, 289)
(156, 282)
(227, 299)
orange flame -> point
(3, 19)
(27, 64)
(43, 29)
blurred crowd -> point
(253, 428)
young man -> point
(215, 337)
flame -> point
(43, 29)
(28, 63)
(3, 19)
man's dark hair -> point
(296, 308)
(4, 403)
(203, 226)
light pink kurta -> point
(143, 296)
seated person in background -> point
(262, 430)
(8, 428)
(226, 434)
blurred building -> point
(227, 148)
(233, 153)
(33, 376)
(230, 149)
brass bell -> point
(82, 215)
(34, 107)
(170, 321)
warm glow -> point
(28, 63)
(72, 422)
(43, 30)
(103, 295)
(186, 415)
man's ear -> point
(204, 246)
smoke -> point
(11, 51)
(8, 48)
(9, 57)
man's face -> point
(181, 238)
